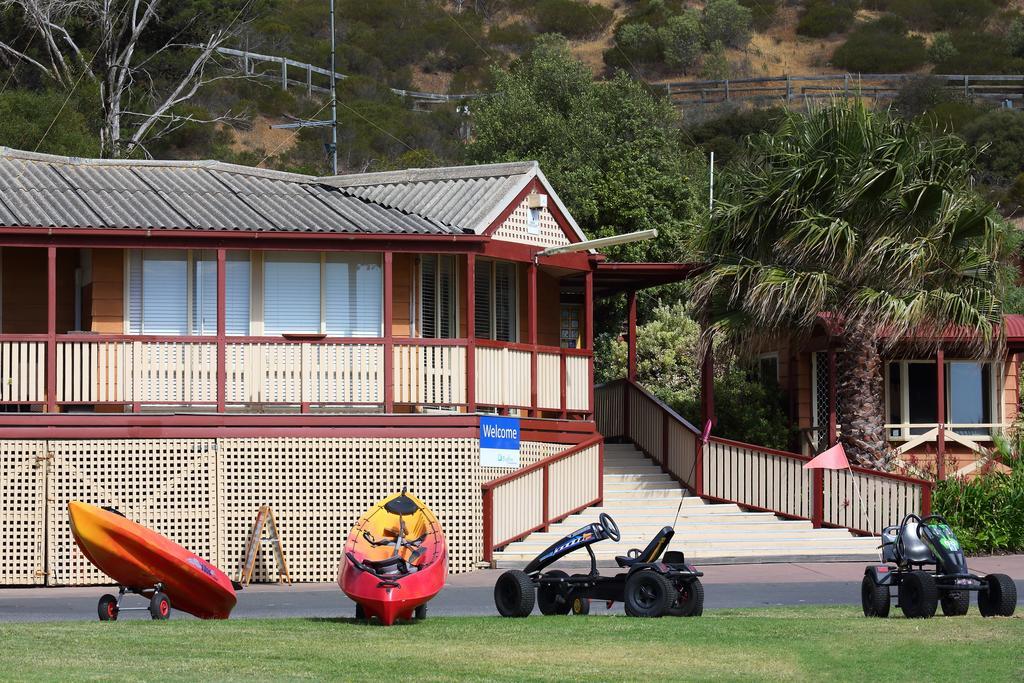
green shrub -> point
(571, 18)
(941, 49)
(881, 46)
(516, 35)
(681, 40)
(939, 15)
(822, 19)
(1001, 134)
(922, 94)
(726, 22)
(716, 65)
(987, 512)
(1015, 37)
(640, 42)
(978, 52)
(763, 12)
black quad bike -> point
(648, 587)
(918, 543)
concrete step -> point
(699, 535)
(628, 486)
(639, 476)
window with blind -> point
(438, 297)
(337, 294)
(496, 312)
(174, 292)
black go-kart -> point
(648, 587)
(925, 564)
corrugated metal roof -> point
(48, 191)
(463, 196)
(1014, 325)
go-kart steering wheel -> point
(610, 527)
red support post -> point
(631, 339)
(664, 441)
(389, 342)
(926, 500)
(221, 330)
(51, 329)
(588, 305)
(545, 511)
(940, 414)
(488, 514)
(698, 469)
(561, 385)
(600, 473)
(707, 387)
(531, 295)
(471, 333)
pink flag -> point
(832, 459)
(706, 434)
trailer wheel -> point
(690, 600)
(919, 596)
(581, 606)
(999, 597)
(107, 608)
(160, 606)
(874, 598)
(552, 600)
(514, 595)
(955, 603)
(648, 594)
(421, 612)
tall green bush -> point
(727, 22)
(571, 18)
(823, 18)
(681, 39)
(881, 46)
(987, 512)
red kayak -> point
(146, 563)
(395, 560)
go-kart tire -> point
(689, 601)
(648, 594)
(552, 600)
(580, 606)
(919, 596)
(107, 608)
(874, 599)
(955, 603)
(999, 597)
(514, 595)
(160, 606)
(420, 613)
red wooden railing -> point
(544, 493)
(756, 477)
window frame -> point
(492, 331)
(418, 304)
(897, 432)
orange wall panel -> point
(107, 291)
(403, 269)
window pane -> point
(204, 292)
(134, 291)
(164, 292)
(505, 301)
(237, 299)
(291, 293)
(353, 289)
(428, 297)
(482, 300)
(969, 395)
(446, 297)
(923, 395)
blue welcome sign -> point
(499, 441)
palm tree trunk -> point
(860, 395)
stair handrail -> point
(488, 488)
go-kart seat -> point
(913, 548)
(649, 554)
(401, 506)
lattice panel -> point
(318, 488)
(22, 512)
(165, 484)
(516, 228)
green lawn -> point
(806, 643)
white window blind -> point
(236, 300)
(496, 313)
(291, 292)
(482, 300)
(134, 291)
(353, 295)
(204, 292)
(165, 292)
(437, 296)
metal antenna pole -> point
(334, 102)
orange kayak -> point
(139, 559)
(395, 560)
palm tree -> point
(869, 219)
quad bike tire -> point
(107, 608)
(649, 594)
(514, 595)
(689, 601)
(999, 597)
(874, 599)
(420, 613)
(159, 606)
(552, 600)
(955, 603)
(360, 612)
(919, 595)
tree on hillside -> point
(864, 217)
(147, 57)
(614, 151)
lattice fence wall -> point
(204, 494)
(22, 512)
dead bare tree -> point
(138, 107)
